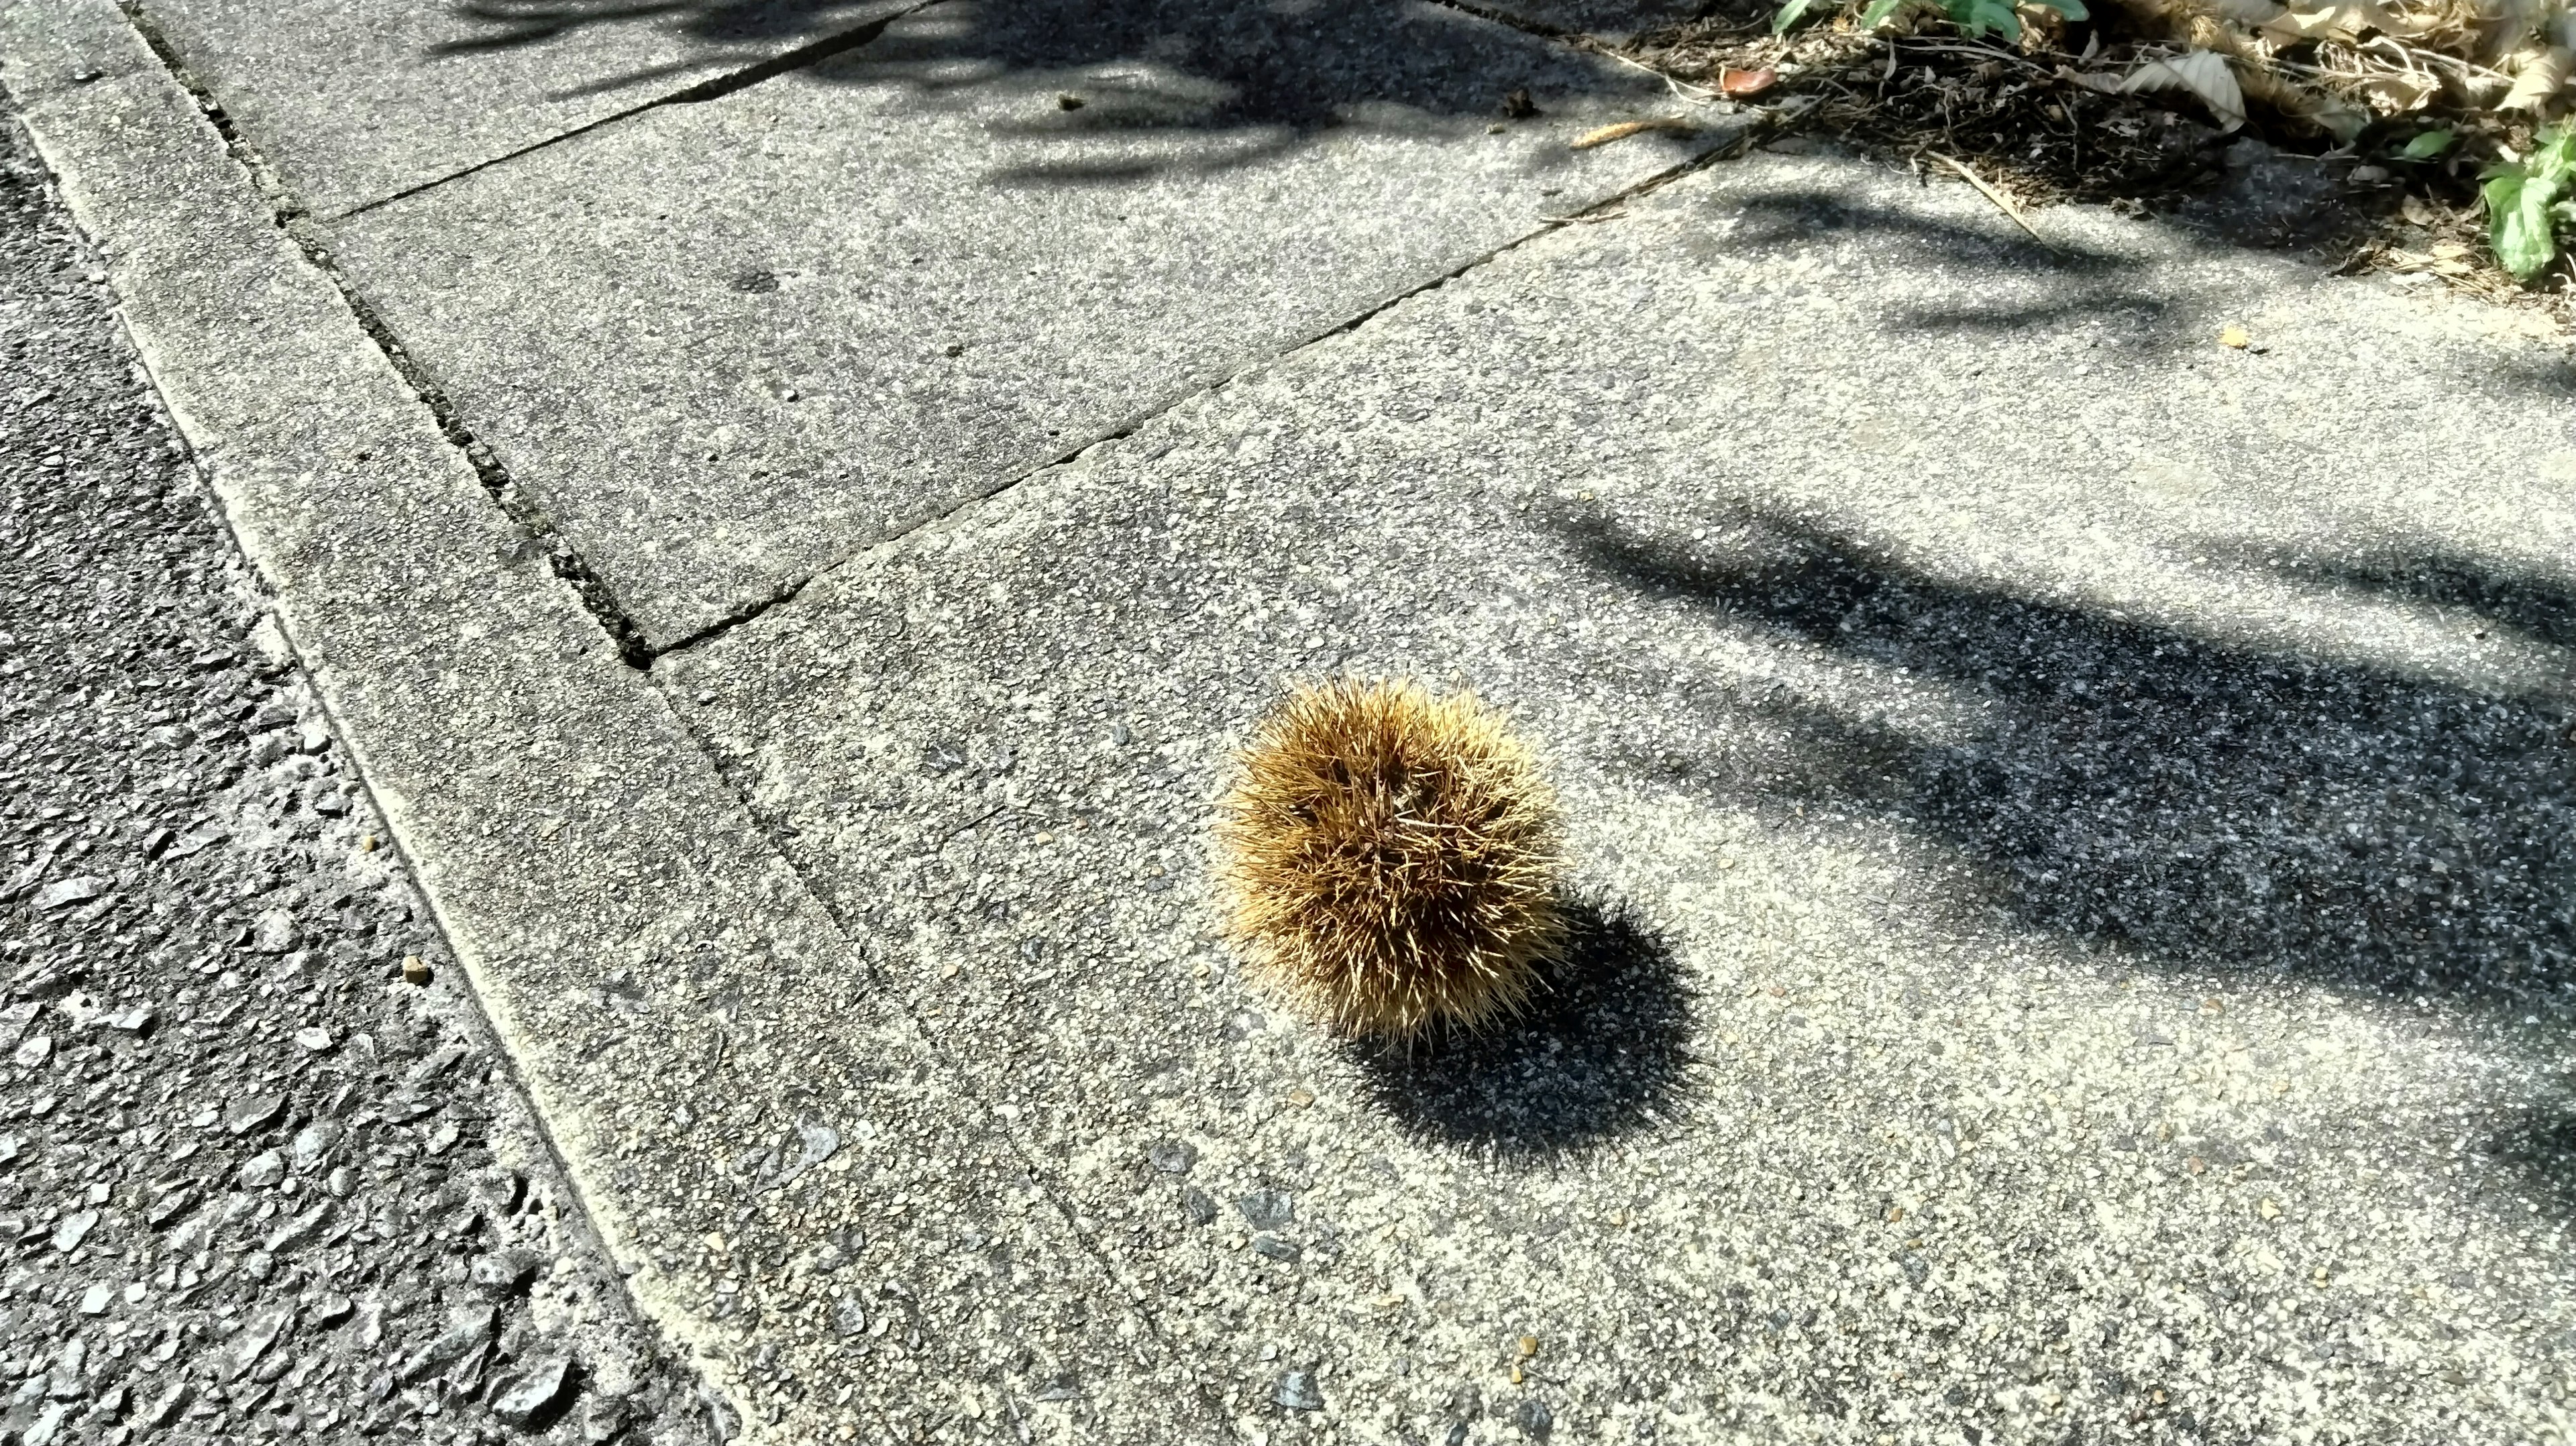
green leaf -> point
(2553, 161)
(1877, 13)
(1790, 14)
(2427, 145)
(2518, 221)
(2071, 9)
(1980, 17)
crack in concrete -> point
(713, 88)
(1754, 129)
(296, 223)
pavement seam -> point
(476, 1023)
(713, 88)
(1736, 145)
(1050, 1186)
(291, 218)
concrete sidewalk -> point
(2070, 816)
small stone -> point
(96, 1299)
(313, 1038)
(262, 1170)
(414, 970)
(33, 1051)
(47, 1428)
(165, 1407)
(66, 1384)
(313, 737)
(330, 1310)
(602, 1421)
(540, 1391)
(169, 1207)
(257, 1334)
(341, 1182)
(1199, 1205)
(1268, 1209)
(133, 1021)
(80, 1008)
(1172, 1157)
(468, 1329)
(1274, 1247)
(1297, 1391)
(821, 1142)
(1301, 1097)
(69, 1234)
(298, 1230)
(847, 1318)
(311, 1145)
(506, 1273)
(62, 893)
(1535, 1420)
(274, 932)
(253, 1112)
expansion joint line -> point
(712, 88)
(960, 1081)
(1753, 131)
(291, 219)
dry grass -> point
(1393, 858)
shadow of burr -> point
(1599, 1053)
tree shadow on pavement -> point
(516, 23)
(1600, 1053)
(2213, 807)
(1232, 82)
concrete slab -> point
(725, 345)
(2072, 815)
(350, 103)
(801, 1192)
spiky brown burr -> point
(1393, 858)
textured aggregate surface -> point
(2080, 940)
(391, 94)
(252, 1183)
(725, 345)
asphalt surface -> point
(255, 1180)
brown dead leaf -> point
(1741, 83)
(2542, 76)
(2203, 73)
(2417, 212)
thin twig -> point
(2002, 202)
(1680, 88)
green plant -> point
(2427, 145)
(2527, 200)
(1973, 17)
